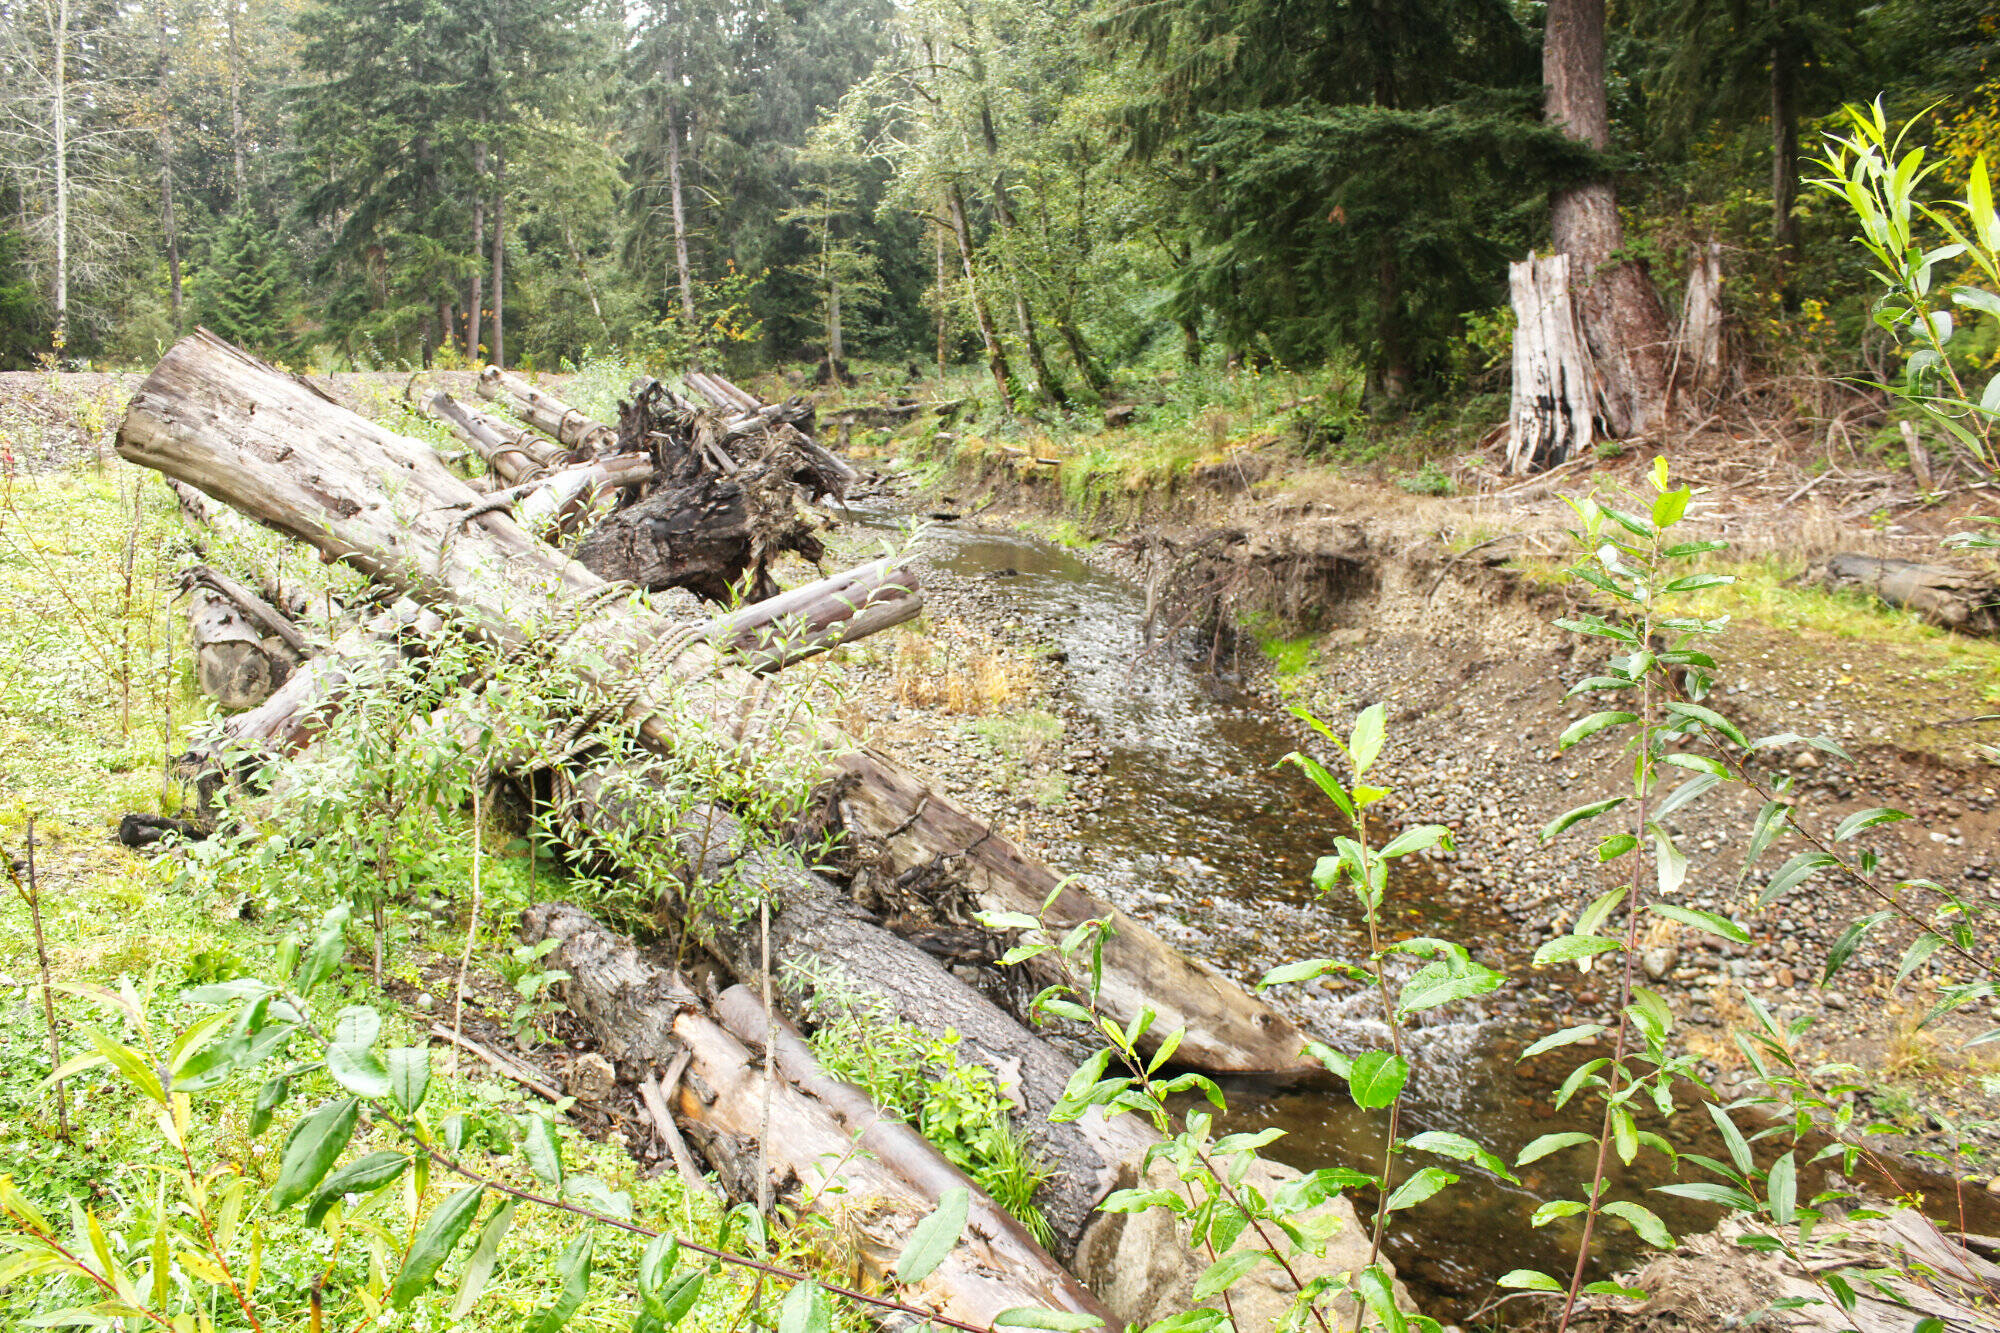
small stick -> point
(501, 1064)
(658, 1093)
(31, 894)
(471, 933)
(770, 1057)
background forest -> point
(1082, 189)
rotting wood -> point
(1552, 418)
(716, 536)
(232, 666)
(644, 1016)
(1954, 599)
(274, 623)
(262, 442)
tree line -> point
(1054, 190)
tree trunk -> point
(1700, 350)
(1553, 411)
(1618, 307)
(475, 314)
(1954, 599)
(583, 276)
(61, 127)
(996, 356)
(238, 175)
(170, 232)
(643, 1017)
(1392, 379)
(513, 453)
(943, 307)
(681, 266)
(231, 664)
(1047, 386)
(499, 255)
(260, 441)
(1784, 155)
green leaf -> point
(1365, 742)
(434, 1243)
(1420, 1186)
(363, 1175)
(329, 944)
(1732, 1138)
(359, 1070)
(575, 1269)
(270, 1096)
(1460, 1149)
(543, 1151)
(1421, 838)
(1442, 983)
(1792, 874)
(1585, 727)
(1783, 1188)
(1527, 1279)
(486, 1253)
(1225, 1272)
(1376, 1079)
(1566, 1037)
(1578, 815)
(311, 1149)
(1710, 718)
(1553, 1209)
(1669, 506)
(1650, 1228)
(1704, 921)
(1866, 819)
(1708, 1191)
(932, 1239)
(356, 1026)
(1549, 1143)
(1850, 940)
(1325, 781)
(1306, 969)
(1379, 1294)
(409, 1076)
(1569, 948)
(1034, 1316)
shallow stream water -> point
(1200, 835)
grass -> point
(96, 694)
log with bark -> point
(875, 1191)
(1955, 599)
(548, 413)
(260, 441)
(232, 664)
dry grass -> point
(966, 673)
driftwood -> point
(1955, 599)
(242, 432)
(791, 421)
(716, 536)
(512, 452)
(644, 1016)
(548, 413)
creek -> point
(1195, 831)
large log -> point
(245, 434)
(231, 664)
(548, 413)
(828, 951)
(1954, 599)
(716, 536)
(643, 1016)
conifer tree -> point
(243, 286)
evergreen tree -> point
(243, 286)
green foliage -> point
(244, 285)
(957, 1105)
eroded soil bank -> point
(1145, 766)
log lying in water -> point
(261, 442)
(548, 413)
(643, 1016)
(1955, 599)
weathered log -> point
(1698, 354)
(1955, 599)
(548, 413)
(644, 1016)
(745, 415)
(926, 846)
(1555, 382)
(816, 616)
(232, 665)
(513, 453)
(715, 536)
(829, 951)
(242, 432)
(272, 622)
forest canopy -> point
(1067, 192)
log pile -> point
(266, 445)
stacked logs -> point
(215, 418)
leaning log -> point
(513, 453)
(644, 1016)
(1954, 599)
(214, 416)
(549, 414)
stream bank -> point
(1032, 691)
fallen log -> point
(513, 453)
(816, 616)
(243, 433)
(643, 1016)
(273, 622)
(826, 950)
(1954, 599)
(232, 666)
(548, 413)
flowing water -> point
(1198, 834)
